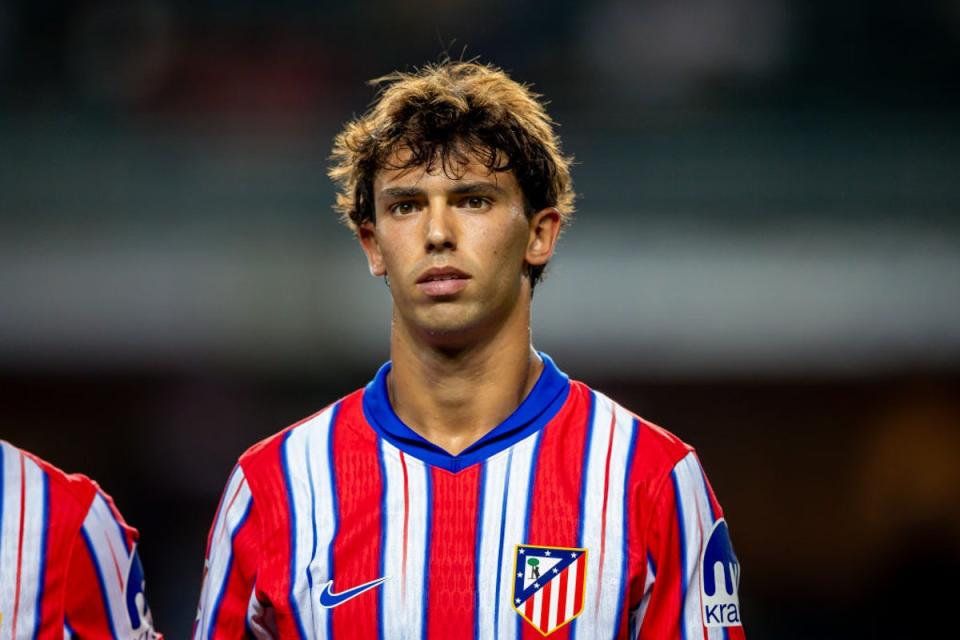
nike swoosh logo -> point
(329, 599)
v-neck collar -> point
(537, 409)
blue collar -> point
(537, 409)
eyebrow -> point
(483, 188)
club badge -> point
(549, 585)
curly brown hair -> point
(449, 113)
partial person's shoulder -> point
(70, 491)
(74, 504)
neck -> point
(452, 396)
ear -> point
(367, 235)
(544, 231)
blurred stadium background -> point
(766, 259)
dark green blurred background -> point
(766, 259)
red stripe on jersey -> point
(662, 619)
(452, 565)
(406, 522)
(562, 596)
(545, 607)
(359, 539)
(260, 466)
(528, 607)
(116, 564)
(85, 609)
(23, 510)
(555, 502)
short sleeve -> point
(106, 589)
(693, 575)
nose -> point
(440, 233)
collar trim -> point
(542, 403)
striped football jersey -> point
(68, 561)
(573, 518)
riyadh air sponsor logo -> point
(720, 579)
(329, 599)
(548, 586)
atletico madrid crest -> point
(548, 586)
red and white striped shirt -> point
(573, 518)
(68, 561)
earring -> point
(386, 280)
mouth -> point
(442, 281)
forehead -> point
(440, 173)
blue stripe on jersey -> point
(335, 504)
(69, 632)
(41, 577)
(292, 510)
(503, 525)
(476, 543)
(428, 476)
(537, 409)
(683, 553)
(526, 519)
(653, 564)
(626, 527)
(103, 585)
(383, 537)
(588, 439)
(215, 611)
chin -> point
(447, 323)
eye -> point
(475, 202)
(403, 208)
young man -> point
(471, 490)
(68, 561)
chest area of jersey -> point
(387, 546)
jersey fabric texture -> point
(571, 519)
(68, 561)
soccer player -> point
(68, 562)
(471, 489)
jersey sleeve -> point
(228, 607)
(692, 574)
(105, 594)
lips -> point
(442, 281)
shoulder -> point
(268, 459)
(653, 450)
(72, 501)
(62, 491)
